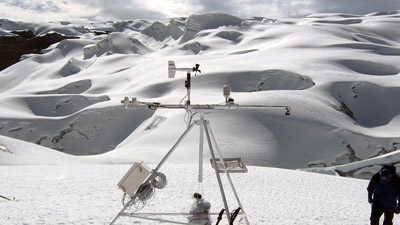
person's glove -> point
(397, 210)
(370, 199)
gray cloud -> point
(249, 8)
(38, 10)
(124, 9)
(102, 10)
(39, 6)
(359, 7)
(208, 6)
(296, 8)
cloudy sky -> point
(103, 10)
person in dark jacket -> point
(384, 195)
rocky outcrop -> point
(25, 42)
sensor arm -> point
(228, 105)
(229, 102)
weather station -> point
(140, 182)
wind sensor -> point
(188, 83)
(140, 182)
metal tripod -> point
(220, 164)
(220, 167)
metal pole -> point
(201, 148)
(155, 219)
(188, 86)
(1, 196)
(174, 147)
(221, 188)
(237, 198)
(227, 173)
(117, 217)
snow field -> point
(88, 194)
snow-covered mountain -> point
(339, 74)
(62, 121)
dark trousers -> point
(377, 212)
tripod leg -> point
(228, 176)
(221, 188)
(201, 144)
(174, 147)
(1, 196)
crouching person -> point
(199, 211)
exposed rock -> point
(25, 42)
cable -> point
(188, 112)
(180, 103)
(145, 193)
(188, 116)
(200, 188)
(159, 181)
